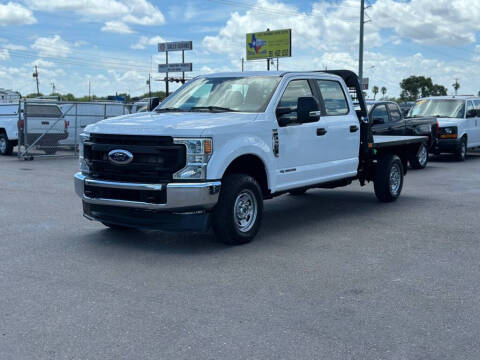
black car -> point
(388, 119)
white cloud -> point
(4, 54)
(15, 14)
(117, 27)
(43, 63)
(138, 12)
(144, 41)
(52, 47)
(437, 22)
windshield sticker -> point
(420, 102)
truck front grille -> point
(155, 158)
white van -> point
(458, 120)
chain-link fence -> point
(52, 128)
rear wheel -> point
(50, 151)
(461, 151)
(238, 213)
(6, 146)
(388, 180)
(420, 159)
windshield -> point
(449, 108)
(248, 94)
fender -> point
(9, 124)
(225, 154)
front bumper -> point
(179, 196)
(183, 207)
(448, 145)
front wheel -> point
(238, 213)
(420, 159)
(388, 180)
(461, 151)
(6, 146)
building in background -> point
(8, 96)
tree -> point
(456, 86)
(414, 87)
(375, 92)
(478, 93)
(383, 90)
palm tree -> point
(375, 92)
(384, 91)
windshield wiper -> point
(170, 109)
(211, 108)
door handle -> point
(321, 131)
(353, 128)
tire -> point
(239, 211)
(50, 151)
(388, 182)
(116, 227)
(6, 146)
(461, 151)
(298, 192)
(420, 159)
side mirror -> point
(472, 113)
(378, 121)
(153, 103)
(282, 111)
(307, 109)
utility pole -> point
(360, 54)
(277, 63)
(243, 61)
(149, 85)
(35, 75)
(89, 90)
(53, 87)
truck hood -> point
(170, 123)
(444, 122)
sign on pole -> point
(178, 67)
(365, 82)
(175, 46)
(269, 44)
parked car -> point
(250, 136)
(38, 123)
(387, 119)
(459, 122)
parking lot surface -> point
(333, 274)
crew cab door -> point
(302, 147)
(343, 137)
(396, 123)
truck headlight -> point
(199, 152)
(449, 132)
(81, 150)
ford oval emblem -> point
(120, 157)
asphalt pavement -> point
(333, 274)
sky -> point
(112, 44)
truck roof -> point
(451, 97)
(261, 73)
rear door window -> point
(395, 114)
(380, 112)
(333, 97)
(34, 110)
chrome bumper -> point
(180, 196)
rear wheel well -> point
(250, 165)
(2, 131)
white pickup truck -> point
(458, 120)
(216, 148)
(39, 124)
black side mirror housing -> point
(378, 121)
(153, 103)
(472, 113)
(307, 109)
